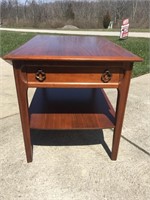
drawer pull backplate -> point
(106, 76)
(40, 75)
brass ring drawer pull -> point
(106, 76)
(40, 75)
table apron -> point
(65, 77)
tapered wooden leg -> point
(120, 111)
(21, 87)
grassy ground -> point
(11, 40)
(139, 46)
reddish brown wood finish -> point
(72, 76)
(71, 109)
(70, 63)
(22, 87)
(82, 48)
(120, 110)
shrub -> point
(106, 20)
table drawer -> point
(59, 75)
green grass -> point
(139, 46)
(11, 40)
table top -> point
(75, 48)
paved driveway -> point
(74, 165)
(79, 32)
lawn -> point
(139, 46)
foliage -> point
(106, 20)
(83, 14)
(69, 14)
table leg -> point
(22, 88)
(120, 111)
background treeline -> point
(83, 14)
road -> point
(80, 32)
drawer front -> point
(59, 75)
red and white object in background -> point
(124, 29)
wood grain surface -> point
(71, 109)
(82, 48)
(68, 72)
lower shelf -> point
(71, 109)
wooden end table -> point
(70, 73)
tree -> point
(69, 12)
(3, 9)
(106, 20)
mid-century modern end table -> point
(70, 74)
